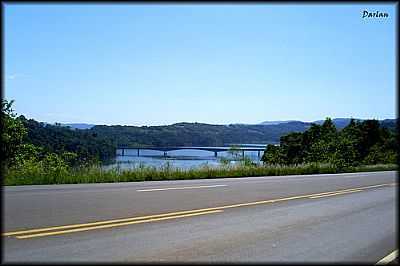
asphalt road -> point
(308, 218)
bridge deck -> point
(212, 149)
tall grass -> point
(39, 175)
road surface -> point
(298, 218)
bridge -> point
(211, 149)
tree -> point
(318, 152)
(292, 148)
(311, 135)
(344, 154)
(319, 144)
(12, 135)
(273, 155)
(364, 142)
(370, 136)
(378, 155)
(328, 129)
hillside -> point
(200, 134)
(102, 140)
(78, 125)
(196, 134)
(268, 123)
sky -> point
(159, 64)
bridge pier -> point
(209, 149)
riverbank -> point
(95, 174)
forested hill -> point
(199, 134)
(59, 139)
(100, 141)
(390, 124)
(196, 134)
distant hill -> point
(338, 122)
(268, 123)
(196, 134)
(78, 125)
(342, 122)
(201, 134)
(389, 123)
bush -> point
(52, 170)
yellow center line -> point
(115, 225)
(180, 213)
(337, 191)
(98, 223)
(334, 194)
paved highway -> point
(307, 218)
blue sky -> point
(159, 64)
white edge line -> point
(171, 188)
(388, 258)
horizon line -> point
(207, 123)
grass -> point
(95, 174)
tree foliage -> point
(28, 141)
(76, 146)
(13, 133)
(366, 142)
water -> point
(184, 159)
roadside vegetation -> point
(36, 153)
(357, 144)
(43, 174)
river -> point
(184, 159)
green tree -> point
(344, 153)
(71, 158)
(365, 142)
(322, 143)
(291, 148)
(328, 130)
(312, 135)
(371, 135)
(12, 136)
(318, 151)
(377, 154)
(273, 155)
